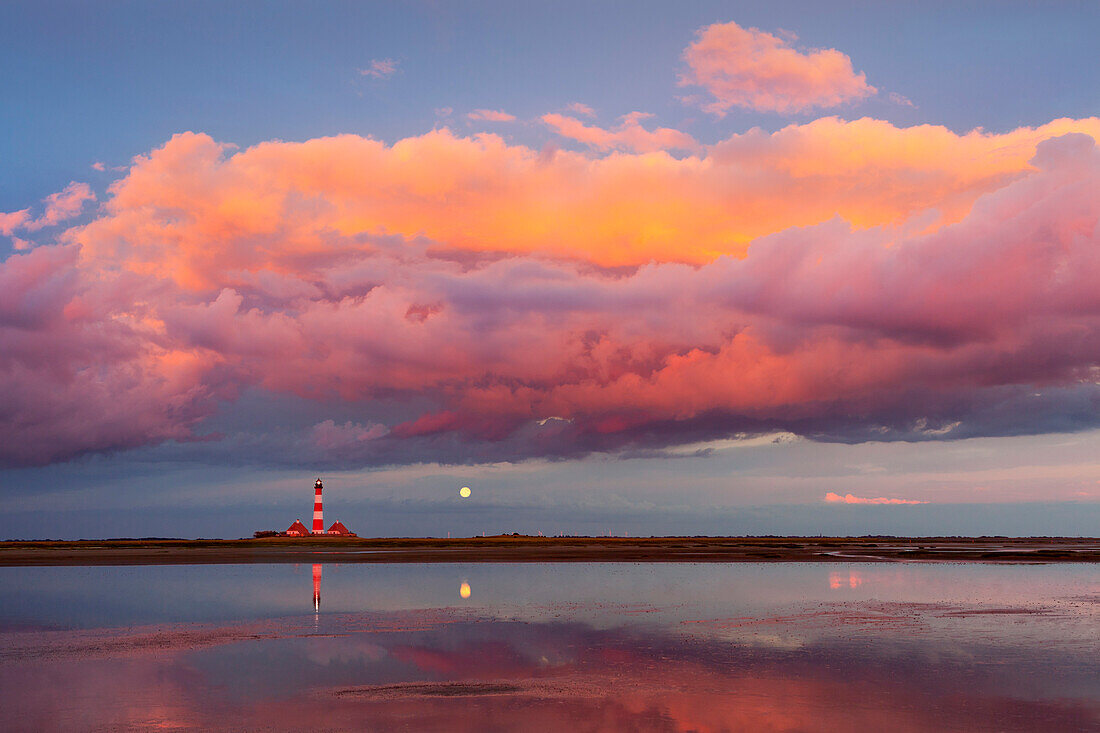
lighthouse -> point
(338, 529)
(318, 513)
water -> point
(602, 646)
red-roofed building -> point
(297, 529)
(338, 528)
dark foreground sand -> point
(551, 549)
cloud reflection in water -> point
(769, 648)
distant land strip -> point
(522, 548)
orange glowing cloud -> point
(481, 195)
(748, 67)
(851, 499)
(629, 135)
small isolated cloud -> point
(852, 499)
(491, 115)
(380, 69)
(99, 165)
(901, 100)
(581, 109)
(628, 135)
(748, 67)
(443, 111)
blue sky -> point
(106, 81)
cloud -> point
(629, 135)
(754, 69)
(850, 499)
(60, 207)
(499, 304)
(14, 220)
(82, 371)
(581, 109)
(380, 69)
(901, 100)
(99, 165)
(491, 115)
(479, 196)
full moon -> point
(464, 492)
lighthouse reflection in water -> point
(316, 587)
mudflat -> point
(511, 548)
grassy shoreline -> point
(511, 548)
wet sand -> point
(551, 549)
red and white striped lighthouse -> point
(318, 514)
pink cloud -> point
(629, 135)
(491, 115)
(82, 370)
(99, 165)
(751, 68)
(62, 205)
(12, 221)
(380, 69)
(581, 109)
(851, 499)
(499, 288)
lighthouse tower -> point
(318, 514)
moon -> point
(464, 492)
(464, 590)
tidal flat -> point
(590, 646)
